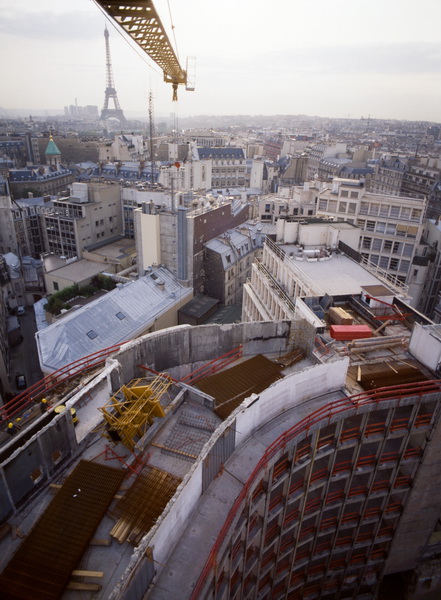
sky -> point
(329, 58)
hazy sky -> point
(331, 58)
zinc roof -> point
(118, 316)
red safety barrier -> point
(38, 390)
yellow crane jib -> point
(141, 22)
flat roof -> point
(337, 275)
(75, 271)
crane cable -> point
(133, 45)
(173, 30)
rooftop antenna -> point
(152, 135)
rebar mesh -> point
(143, 504)
(42, 566)
(186, 442)
(232, 386)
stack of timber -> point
(367, 345)
(339, 316)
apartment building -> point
(122, 148)
(289, 201)
(318, 152)
(228, 259)
(228, 165)
(176, 237)
(205, 138)
(8, 236)
(391, 226)
(409, 176)
(389, 176)
(90, 215)
(292, 277)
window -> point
(408, 249)
(393, 265)
(381, 227)
(404, 266)
(416, 214)
(366, 243)
(405, 213)
(92, 334)
(364, 208)
(387, 245)
(384, 261)
(374, 259)
(374, 208)
(370, 225)
(342, 207)
(323, 204)
(344, 193)
(397, 247)
(391, 229)
(376, 244)
(56, 286)
(354, 194)
(228, 258)
(332, 206)
(395, 212)
(120, 316)
(384, 210)
(352, 208)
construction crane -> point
(141, 22)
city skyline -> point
(330, 60)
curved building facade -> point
(326, 512)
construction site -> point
(255, 460)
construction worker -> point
(11, 429)
(44, 405)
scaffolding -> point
(131, 411)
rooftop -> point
(335, 275)
(115, 317)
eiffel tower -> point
(110, 93)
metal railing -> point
(38, 390)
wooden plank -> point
(100, 542)
(83, 573)
(84, 587)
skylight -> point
(92, 334)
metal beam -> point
(141, 22)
